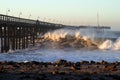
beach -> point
(59, 70)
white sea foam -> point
(62, 33)
(110, 49)
(103, 40)
(51, 55)
(117, 44)
(109, 44)
(57, 34)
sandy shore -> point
(60, 70)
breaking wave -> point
(70, 44)
(78, 39)
(110, 45)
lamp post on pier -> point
(20, 14)
(7, 11)
(38, 18)
(29, 16)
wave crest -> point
(62, 39)
(78, 39)
(109, 44)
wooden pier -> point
(18, 33)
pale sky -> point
(73, 12)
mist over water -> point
(72, 45)
(102, 39)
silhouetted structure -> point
(18, 33)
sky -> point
(73, 12)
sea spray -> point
(62, 33)
(57, 34)
(108, 44)
(65, 38)
(111, 45)
(52, 46)
(117, 44)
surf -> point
(110, 45)
(79, 39)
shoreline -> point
(59, 70)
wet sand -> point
(59, 70)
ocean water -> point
(72, 45)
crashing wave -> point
(77, 39)
(109, 44)
(62, 39)
(117, 44)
